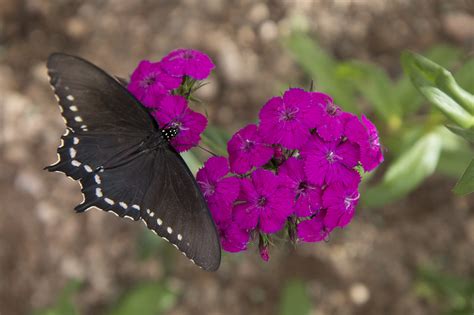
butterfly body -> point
(124, 161)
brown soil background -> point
(43, 243)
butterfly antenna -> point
(207, 150)
(311, 86)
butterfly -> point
(124, 162)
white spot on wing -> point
(88, 168)
(72, 152)
(159, 221)
(136, 207)
(169, 230)
(78, 119)
(123, 205)
(73, 108)
(70, 97)
(98, 193)
(75, 140)
(75, 163)
(109, 201)
(97, 179)
(180, 237)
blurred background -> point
(410, 248)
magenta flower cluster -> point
(164, 87)
(297, 170)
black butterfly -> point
(124, 162)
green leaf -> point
(407, 95)
(373, 83)
(216, 140)
(192, 161)
(454, 295)
(465, 75)
(467, 134)
(145, 299)
(439, 86)
(294, 299)
(321, 68)
(407, 171)
(465, 185)
(448, 106)
(444, 55)
(64, 304)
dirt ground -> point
(367, 268)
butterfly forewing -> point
(87, 95)
(104, 148)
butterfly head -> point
(169, 133)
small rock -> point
(359, 293)
(459, 25)
(29, 182)
(268, 31)
(258, 13)
(76, 27)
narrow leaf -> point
(408, 171)
(375, 85)
(192, 161)
(427, 74)
(465, 75)
(448, 106)
(321, 68)
(465, 185)
(467, 134)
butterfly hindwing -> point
(159, 188)
(175, 191)
(120, 190)
(107, 148)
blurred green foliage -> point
(294, 299)
(147, 298)
(454, 295)
(415, 141)
(439, 86)
(64, 304)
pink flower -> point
(173, 112)
(340, 202)
(264, 203)
(313, 230)
(330, 162)
(307, 195)
(149, 82)
(247, 150)
(233, 238)
(220, 191)
(366, 136)
(189, 62)
(287, 120)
